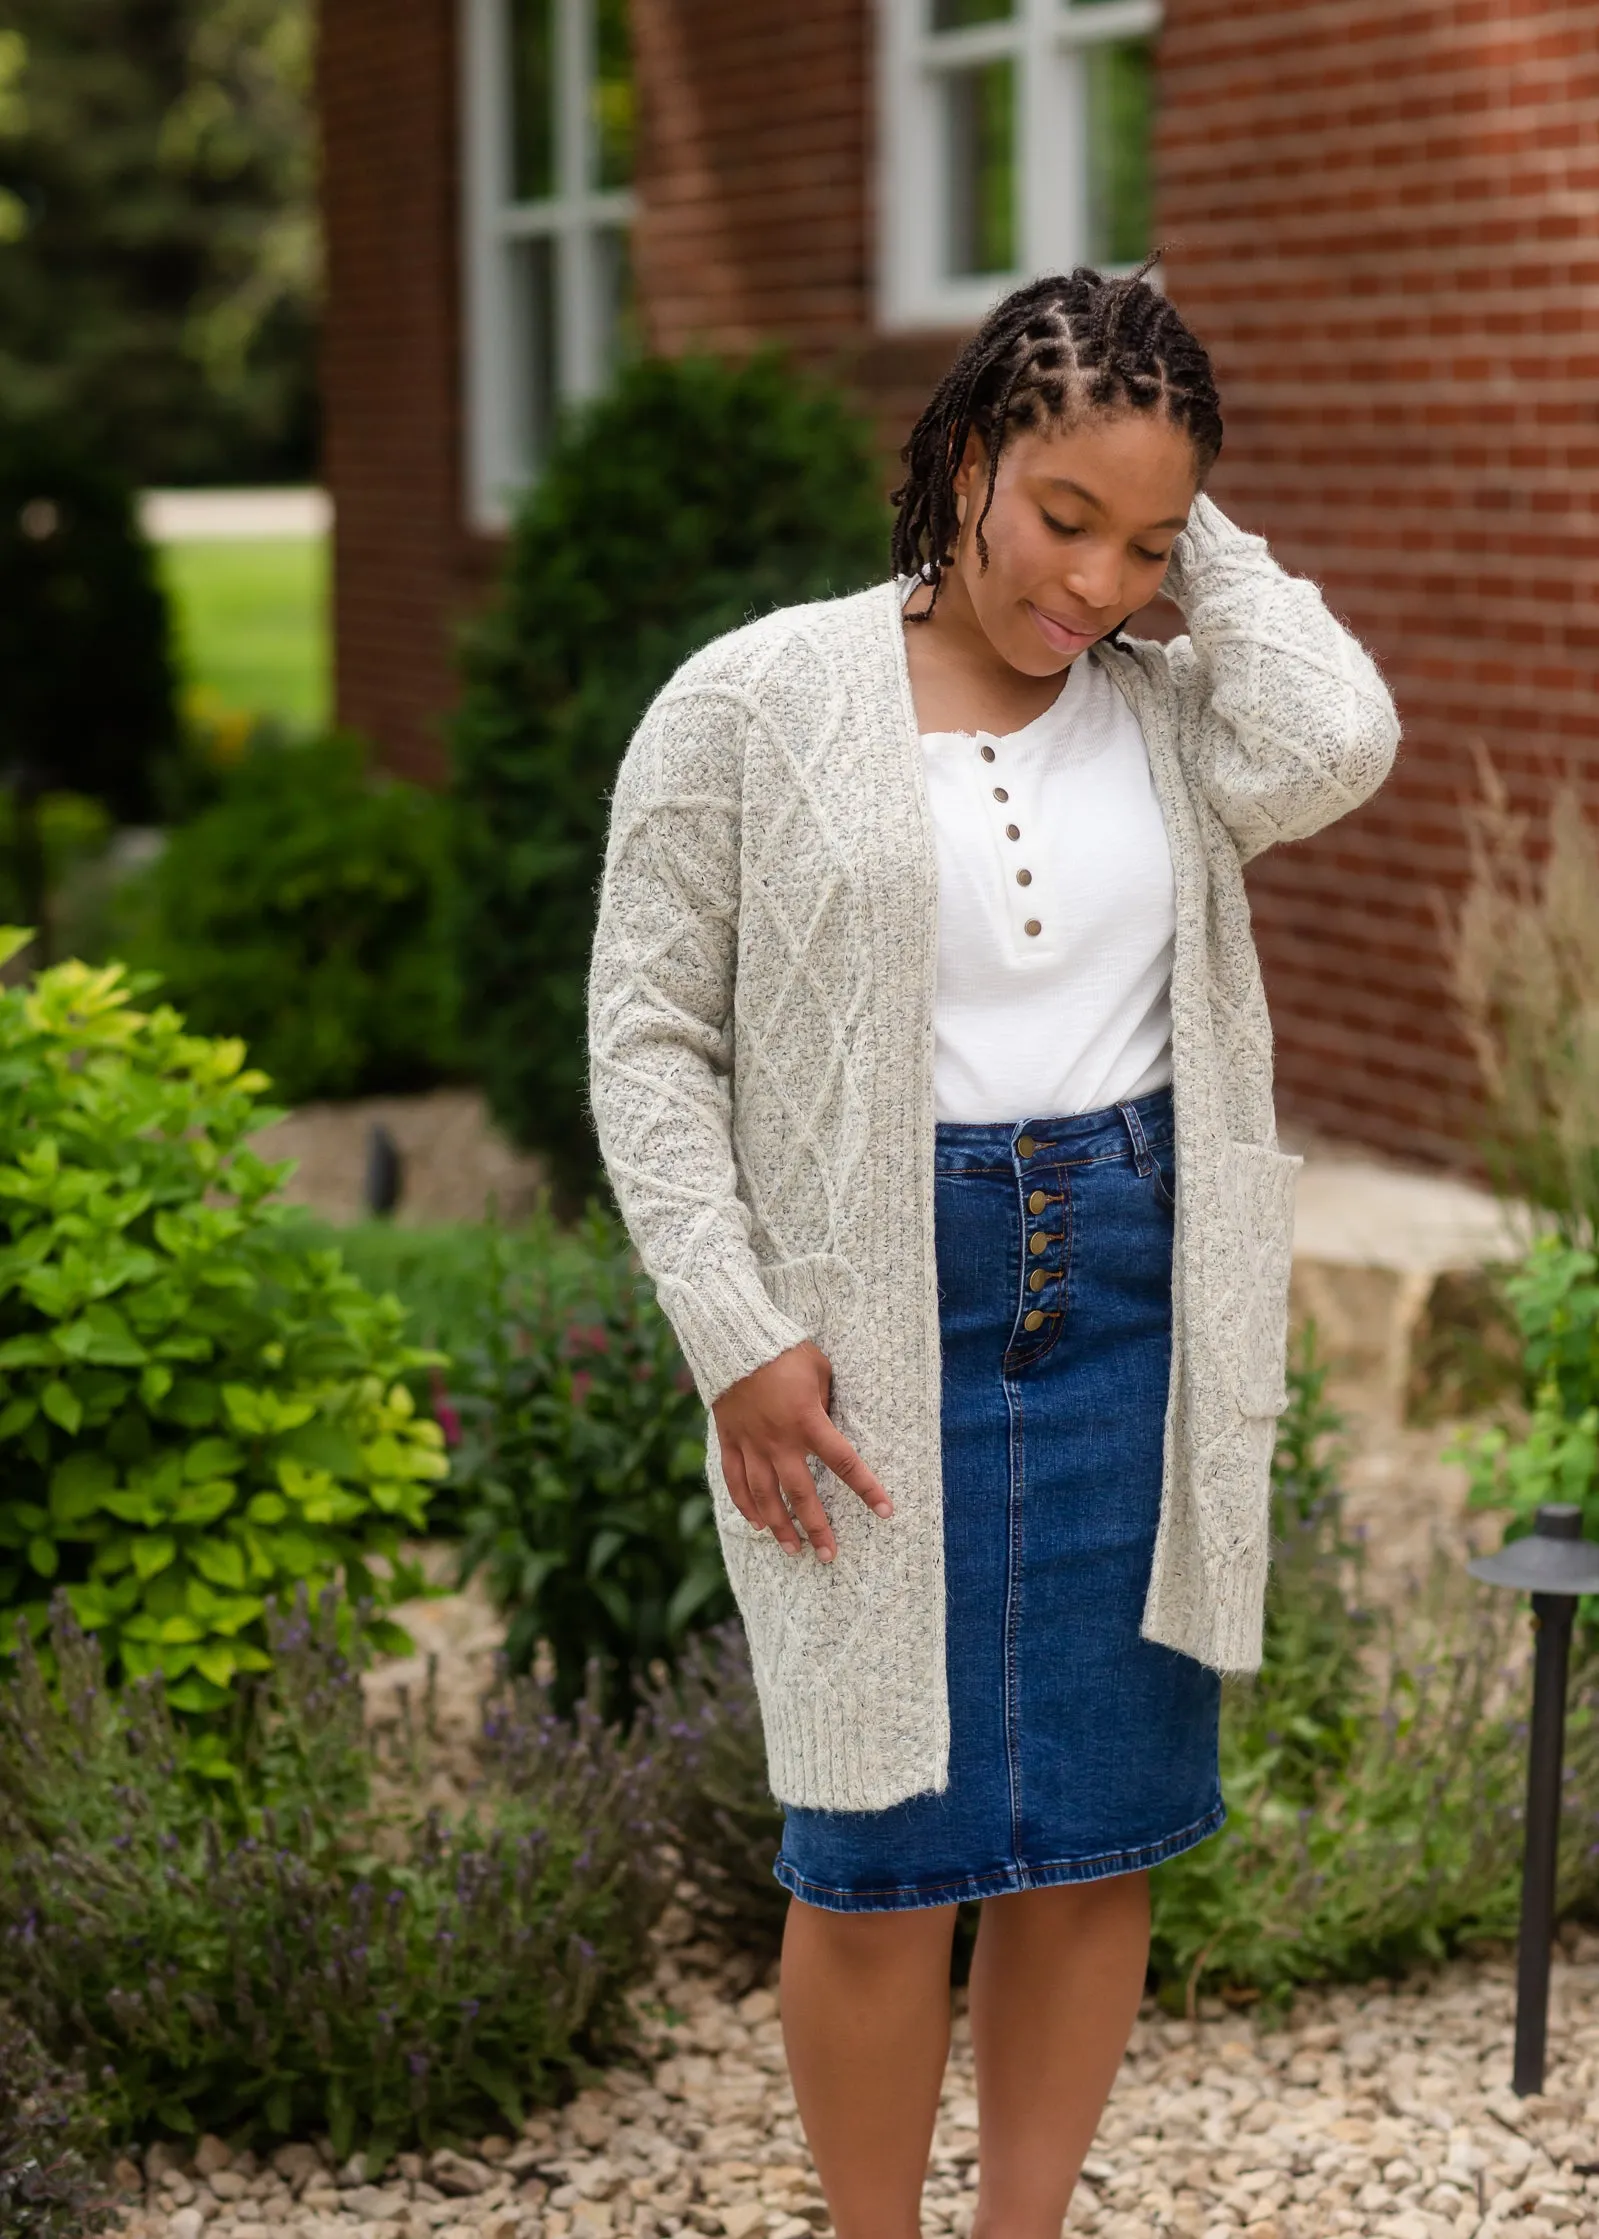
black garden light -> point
(1554, 1564)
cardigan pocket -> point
(1255, 1186)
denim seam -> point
(1005, 1881)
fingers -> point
(799, 1487)
(829, 1445)
(770, 1512)
(738, 1485)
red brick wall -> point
(756, 218)
(1384, 218)
(404, 566)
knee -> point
(870, 1943)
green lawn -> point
(252, 623)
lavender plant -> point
(725, 1821)
(51, 2143)
(326, 1966)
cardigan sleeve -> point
(1284, 720)
(661, 1031)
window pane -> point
(533, 283)
(532, 98)
(1119, 84)
(613, 289)
(980, 168)
(611, 97)
(955, 15)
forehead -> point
(1128, 463)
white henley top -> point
(1057, 912)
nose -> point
(1094, 576)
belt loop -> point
(1135, 1131)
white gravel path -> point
(1377, 2111)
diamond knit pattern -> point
(761, 1034)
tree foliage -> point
(86, 674)
(158, 246)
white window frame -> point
(495, 370)
(1045, 39)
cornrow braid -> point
(1064, 345)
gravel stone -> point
(455, 2173)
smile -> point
(1059, 636)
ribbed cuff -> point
(1208, 538)
(726, 1325)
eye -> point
(1155, 559)
(1061, 528)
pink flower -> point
(587, 1337)
(581, 1381)
(444, 1414)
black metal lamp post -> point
(1554, 1564)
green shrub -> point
(1374, 1779)
(86, 680)
(306, 911)
(1554, 1456)
(695, 495)
(580, 1477)
(51, 2140)
(194, 1415)
(331, 1967)
(460, 1282)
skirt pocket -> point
(1255, 1185)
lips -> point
(1062, 637)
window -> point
(1015, 138)
(547, 136)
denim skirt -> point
(1077, 1748)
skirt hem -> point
(1004, 1881)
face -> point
(1078, 535)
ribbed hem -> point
(827, 1754)
(1208, 536)
(726, 1325)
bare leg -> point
(1057, 1975)
(865, 2001)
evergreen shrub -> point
(86, 673)
(694, 496)
(305, 910)
(196, 1414)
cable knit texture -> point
(761, 1040)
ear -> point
(971, 468)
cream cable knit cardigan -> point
(761, 1043)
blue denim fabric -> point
(1077, 1748)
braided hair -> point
(1062, 345)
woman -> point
(933, 1074)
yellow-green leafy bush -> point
(197, 1411)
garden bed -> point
(1383, 2111)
